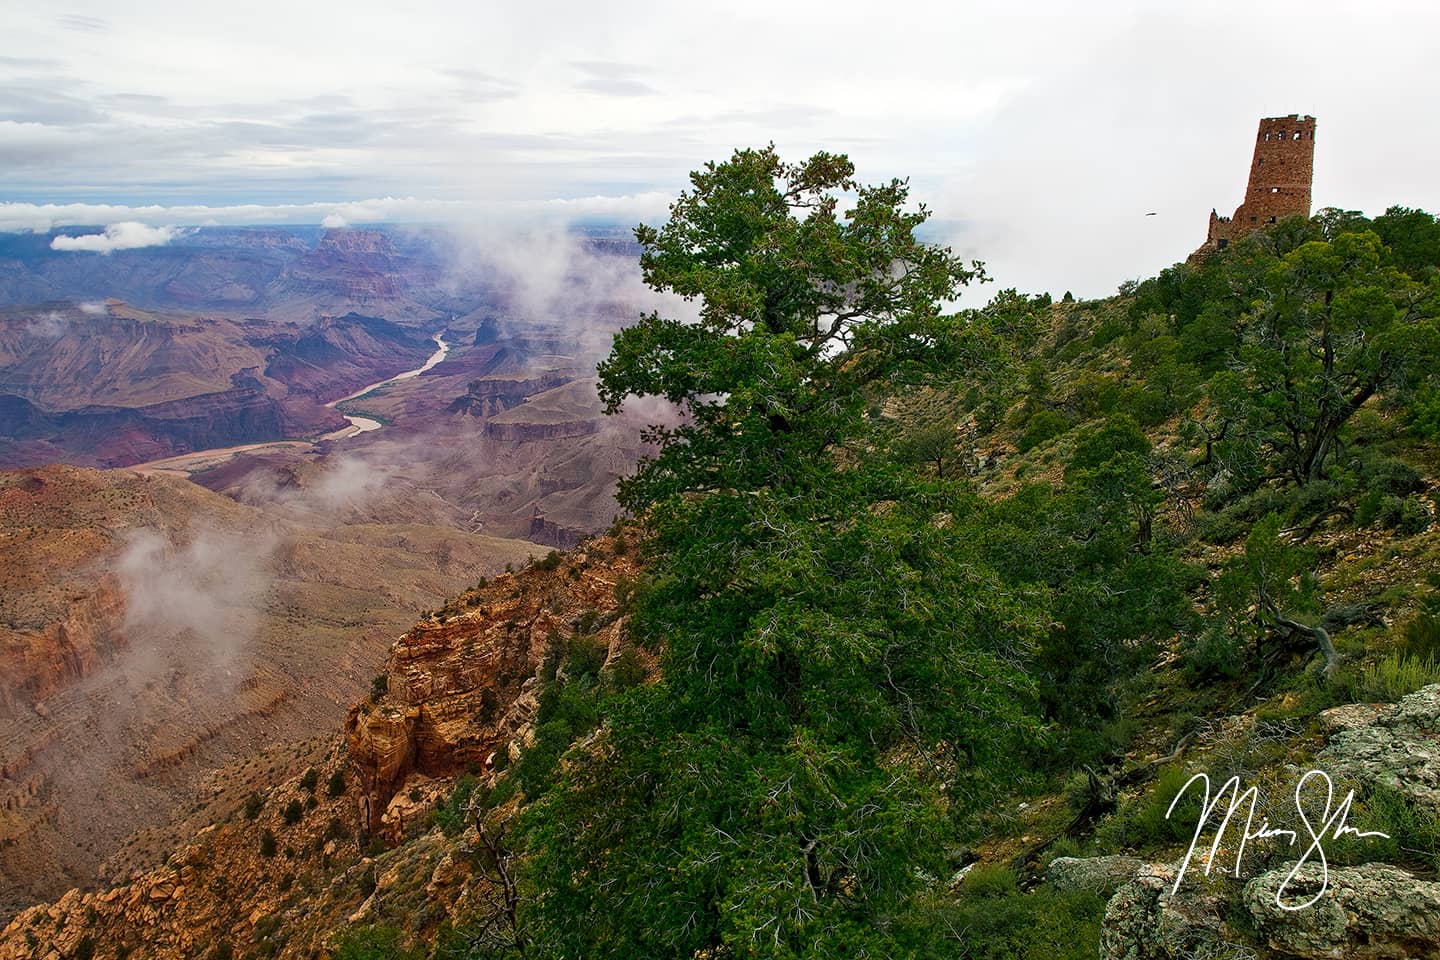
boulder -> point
(1145, 921)
(1399, 747)
(1102, 875)
(1371, 912)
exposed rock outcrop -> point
(1397, 747)
(456, 686)
(1371, 912)
(1102, 875)
(1146, 921)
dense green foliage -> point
(860, 651)
(842, 673)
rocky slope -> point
(152, 631)
(1369, 910)
(356, 844)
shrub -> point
(1045, 925)
(1414, 830)
(988, 880)
(310, 779)
(1397, 675)
(373, 943)
(1389, 475)
(253, 805)
(1143, 822)
(550, 561)
(1213, 655)
(336, 786)
(584, 656)
(450, 815)
(379, 687)
(628, 670)
(267, 844)
(292, 813)
(1119, 434)
(368, 881)
(1044, 425)
(1420, 637)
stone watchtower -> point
(1280, 175)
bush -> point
(1389, 475)
(336, 786)
(1045, 925)
(1420, 637)
(310, 779)
(584, 656)
(267, 844)
(292, 813)
(253, 805)
(550, 561)
(372, 943)
(1043, 425)
(628, 670)
(379, 687)
(1213, 655)
(987, 880)
(1119, 434)
(1143, 822)
(450, 815)
(1396, 676)
(1414, 830)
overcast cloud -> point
(1040, 135)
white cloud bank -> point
(42, 217)
(126, 235)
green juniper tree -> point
(842, 673)
(1331, 326)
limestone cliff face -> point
(531, 432)
(493, 395)
(458, 684)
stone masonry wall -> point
(1280, 177)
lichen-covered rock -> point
(1101, 875)
(1399, 748)
(1145, 921)
(1371, 912)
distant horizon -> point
(1040, 136)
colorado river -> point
(188, 463)
(366, 424)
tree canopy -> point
(843, 673)
(802, 309)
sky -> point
(1039, 134)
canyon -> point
(460, 689)
(176, 627)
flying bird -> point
(1150, 214)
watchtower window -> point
(1274, 189)
(1297, 134)
(1260, 162)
